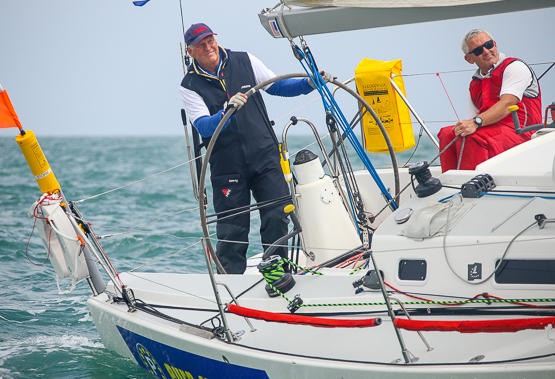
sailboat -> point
(424, 274)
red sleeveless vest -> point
(485, 93)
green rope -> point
(358, 269)
(279, 292)
(275, 271)
(470, 301)
(285, 260)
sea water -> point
(47, 335)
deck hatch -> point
(412, 269)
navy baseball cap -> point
(196, 33)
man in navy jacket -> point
(245, 157)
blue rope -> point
(330, 105)
(448, 197)
(507, 195)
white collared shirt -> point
(517, 81)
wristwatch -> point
(478, 121)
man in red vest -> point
(498, 83)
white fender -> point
(59, 238)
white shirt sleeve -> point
(193, 104)
(261, 72)
(516, 79)
(473, 110)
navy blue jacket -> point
(247, 140)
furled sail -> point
(327, 16)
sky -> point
(107, 68)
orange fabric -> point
(8, 117)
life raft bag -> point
(373, 84)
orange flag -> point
(8, 117)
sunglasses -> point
(480, 49)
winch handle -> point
(296, 230)
(296, 224)
(529, 128)
(513, 109)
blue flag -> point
(140, 3)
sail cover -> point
(327, 16)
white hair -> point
(471, 34)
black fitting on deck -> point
(427, 185)
(295, 304)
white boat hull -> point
(297, 351)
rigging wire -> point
(167, 257)
(165, 171)
(420, 134)
(546, 71)
(471, 70)
(144, 226)
(404, 249)
(448, 97)
(309, 65)
(458, 120)
(172, 288)
(135, 182)
(186, 59)
(421, 74)
(187, 247)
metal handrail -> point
(333, 172)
